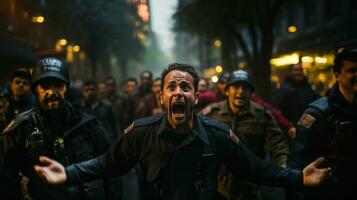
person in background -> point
(21, 95)
(255, 127)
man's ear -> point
(161, 98)
(196, 97)
(337, 75)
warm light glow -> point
(307, 59)
(321, 77)
(63, 42)
(217, 43)
(76, 48)
(143, 12)
(214, 79)
(69, 56)
(320, 60)
(285, 60)
(241, 65)
(292, 29)
(219, 68)
(39, 19)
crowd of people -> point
(176, 136)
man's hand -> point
(313, 176)
(51, 171)
(292, 132)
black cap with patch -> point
(239, 76)
(50, 68)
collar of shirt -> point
(198, 130)
(224, 110)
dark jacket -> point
(75, 137)
(328, 128)
(104, 112)
(294, 97)
(187, 170)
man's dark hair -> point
(180, 67)
(131, 80)
(22, 73)
(146, 72)
(346, 54)
(89, 83)
(156, 79)
(110, 78)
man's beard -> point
(52, 106)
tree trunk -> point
(228, 52)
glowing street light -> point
(219, 69)
(63, 42)
(217, 43)
(38, 19)
(214, 79)
(76, 48)
(292, 29)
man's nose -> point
(178, 91)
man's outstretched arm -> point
(119, 159)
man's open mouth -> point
(178, 109)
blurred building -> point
(310, 33)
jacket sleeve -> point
(275, 142)
(244, 164)
(117, 161)
(11, 158)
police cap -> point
(239, 76)
(50, 68)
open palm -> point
(51, 171)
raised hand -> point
(313, 176)
(51, 171)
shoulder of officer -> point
(317, 110)
(321, 104)
(213, 108)
(19, 118)
(147, 121)
(214, 123)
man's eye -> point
(171, 87)
(185, 87)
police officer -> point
(180, 152)
(52, 128)
(328, 128)
(256, 128)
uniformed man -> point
(180, 152)
(328, 128)
(255, 127)
(52, 128)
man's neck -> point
(239, 111)
(351, 97)
(182, 129)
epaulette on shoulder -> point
(19, 118)
(214, 123)
(147, 120)
(211, 108)
(320, 104)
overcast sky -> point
(161, 16)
